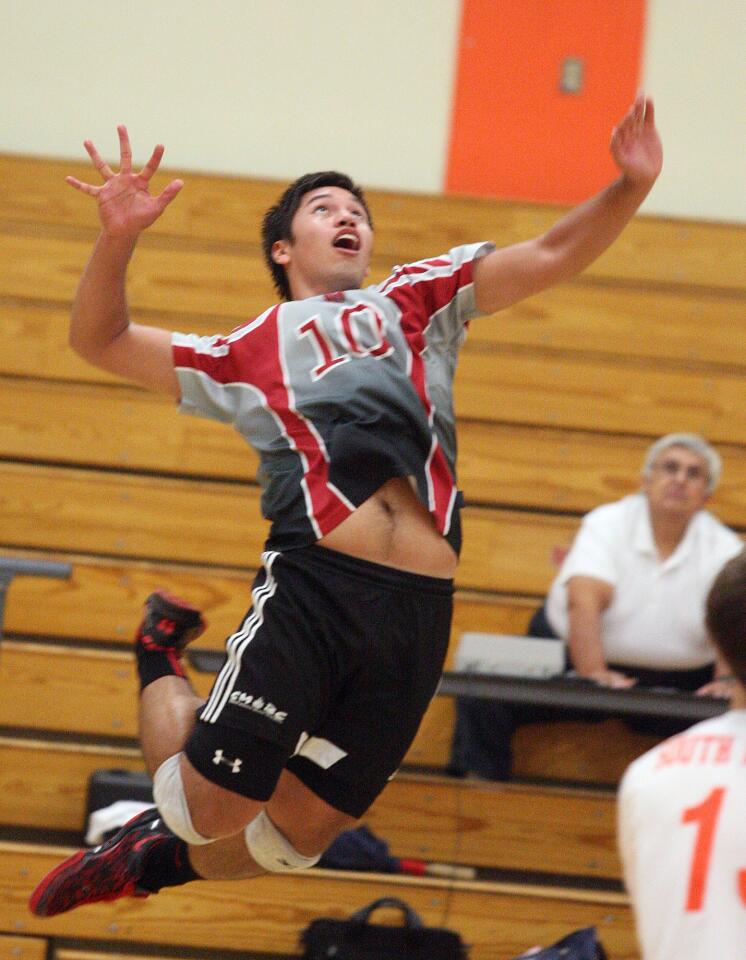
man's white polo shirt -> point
(656, 617)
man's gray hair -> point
(690, 441)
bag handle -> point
(411, 920)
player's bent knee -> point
(271, 849)
(170, 798)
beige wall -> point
(695, 65)
(256, 87)
(273, 89)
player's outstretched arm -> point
(513, 273)
(100, 328)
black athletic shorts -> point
(328, 676)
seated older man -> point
(628, 600)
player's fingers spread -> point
(618, 134)
(83, 187)
(628, 117)
(649, 112)
(125, 151)
(169, 193)
(98, 162)
(152, 165)
(620, 137)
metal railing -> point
(21, 567)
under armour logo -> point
(235, 765)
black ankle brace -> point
(167, 866)
(154, 664)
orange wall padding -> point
(514, 133)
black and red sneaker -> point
(107, 872)
(169, 623)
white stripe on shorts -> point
(237, 643)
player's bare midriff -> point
(394, 528)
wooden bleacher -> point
(498, 827)
(557, 398)
(498, 920)
(23, 948)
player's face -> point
(330, 246)
(677, 485)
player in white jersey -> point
(681, 833)
(346, 394)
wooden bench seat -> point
(44, 782)
(94, 692)
(90, 953)
(496, 920)
(609, 395)
(228, 210)
(573, 751)
(103, 599)
(23, 948)
(219, 523)
(511, 827)
(123, 428)
(73, 689)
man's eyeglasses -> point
(691, 472)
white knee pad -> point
(168, 793)
(271, 850)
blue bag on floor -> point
(578, 945)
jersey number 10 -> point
(362, 332)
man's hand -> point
(611, 678)
(125, 204)
(635, 144)
(721, 687)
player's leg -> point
(168, 704)
(288, 833)
(302, 821)
(159, 847)
(211, 777)
(144, 854)
(385, 633)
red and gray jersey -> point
(341, 392)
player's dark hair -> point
(277, 223)
(726, 614)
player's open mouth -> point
(347, 241)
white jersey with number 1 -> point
(682, 839)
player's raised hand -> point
(635, 144)
(125, 204)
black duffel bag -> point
(357, 939)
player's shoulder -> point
(437, 266)
(682, 748)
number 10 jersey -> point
(340, 392)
